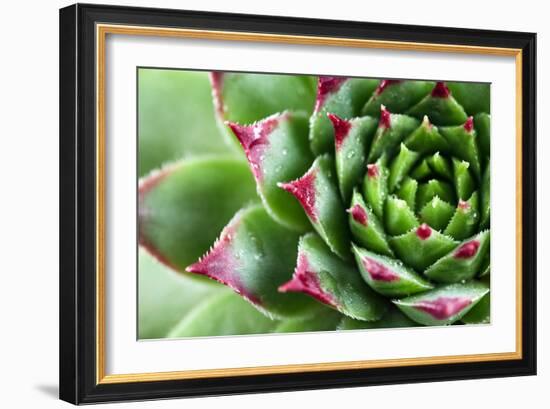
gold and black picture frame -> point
(460, 87)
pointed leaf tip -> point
(385, 84)
(463, 205)
(253, 256)
(341, 128)
(441, 90)
(170, 225)
(372, 170)
(385, 117)
(325, 277)
(359, 214)
(220, 264)
(303, 189)
(426, 122)
(306, 281)
(255, 139)
(423, 231)
(326, 86)
(469, 124)
(467, 250)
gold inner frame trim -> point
(101, 33)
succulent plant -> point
(339, 203)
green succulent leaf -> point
(317, 192)
(486, 198)
(247, 97)
(325, 277)
(375, 186)
(393, 318)
(426, 139)
(463, 263)
(387, 276)
(486, 266)
(365, 204)
(463, 180)
(222, 314)
(352, 139)
(422, 171)
(253, 256)
(475, 98)
(432, 188)
(396, 95)
(392, 130)
(401, 167)
(437, 213)
(421, 247)
(399, 217)
(465, 219)
(175, 118)
(440, 166)
(340, 96)
(462, 140)
(183, 207)
(407, 192)
(480, 313)
(443, 305)
(482, 124)
(440, 107)
(277, 150)
(366, 228)
(326, 319)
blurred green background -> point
(176, 120)
(175, 117)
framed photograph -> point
(257, 203)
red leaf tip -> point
(469, 124)
(325, 86)
(341, 128)
(221, 265)
(467, 250)
(304, 280)
(385, 117)
(303, 189)
(372, 170)
(359, 214)
(254, 140)
(441, 90)
(423, 231)
(463, 205)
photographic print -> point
(302, 193)
(279, 203)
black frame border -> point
(77, 255)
